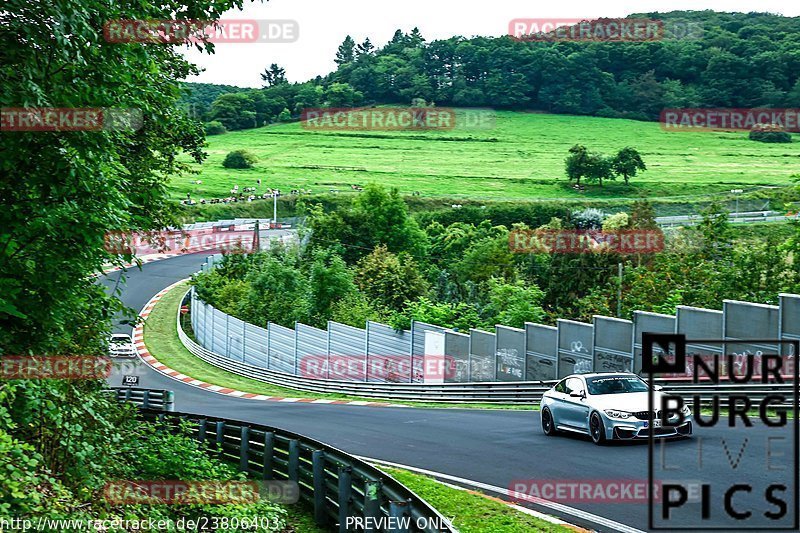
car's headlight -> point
(685, 411)
(617, 414)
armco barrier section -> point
(160, 400)
(334, 483)
(377, 353)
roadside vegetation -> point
(63, 439)
(470, 511)
(374, 261)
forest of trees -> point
(740, 60)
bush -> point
(285, 115)
(215, 127)
(239, 159)
(617, 222)
(769, 133)
(588, 219)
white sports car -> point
(121, 345)
(609, 406)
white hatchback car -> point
(609, 406)
(121, 345)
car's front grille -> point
(646, 415)
(659, 432)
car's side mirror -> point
(577, 394)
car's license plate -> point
(656, 424)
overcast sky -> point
(323, 25)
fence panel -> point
(456, 349)
(348, 349)
(644, 322)
(281, 348)
(613, 344)
(235, 341)
(418, 330)
(197, 317)
(510, 353)
(744, 320)
(389, 353)
(482, 355)
(790, 327)
(699, 323)
(542, 352)
(312, 351)
(256, 345)
(219, 332)
(575, 343)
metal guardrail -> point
(522, 392)
(336, 484)
(733, 218)
(161, 400)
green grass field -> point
(521, 157)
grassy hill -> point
(521, 157)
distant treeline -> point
(738, 60)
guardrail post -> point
(169, 400)
(397, 510)
(269, 453)
(244, 449)
(345, 492)
(220, 436)
(201, 430)
(318, 468)
(294, 460)
(372, 504)
(127, 395)
(146, 399)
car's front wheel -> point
(597, 430)
(548, 424)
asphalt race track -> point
(501, 447)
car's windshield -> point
(615, 385)
(120, 339)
